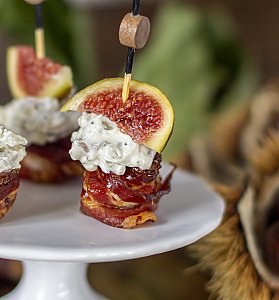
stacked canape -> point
(39, 87)
(119, 145)
(12, 151)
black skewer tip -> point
(39, 16)
(131, 51)
(136, 7)
(130, 60)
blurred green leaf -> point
(67, 34)
(197, 61)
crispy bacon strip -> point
(114, 216)
(9, 184)
(9, 181)
(127, 200)
(57, 152)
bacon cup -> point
(127, 200)
(12, 151)
(118, 145)
(47, 131)
(50, 163)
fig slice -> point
(29, 76)
(147, 115)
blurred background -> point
(208, 56)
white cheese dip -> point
(12, 150)
(39, 120)
(99, 142)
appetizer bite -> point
(39, 86)
(12, 151)
(119, 145)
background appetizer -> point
(12, 151)
(39, 87)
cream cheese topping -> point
(99, 142)
(12, 150)
(39, 120)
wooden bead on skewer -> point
(40, 43)
(134, 31)
(34, 2)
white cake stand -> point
(46, 231)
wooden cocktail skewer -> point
(39, 31)
(34, 2)
(133, 32)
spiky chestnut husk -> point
(223, 253)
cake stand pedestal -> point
(46, 231)
(53, 280)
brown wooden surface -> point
(158, 277)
